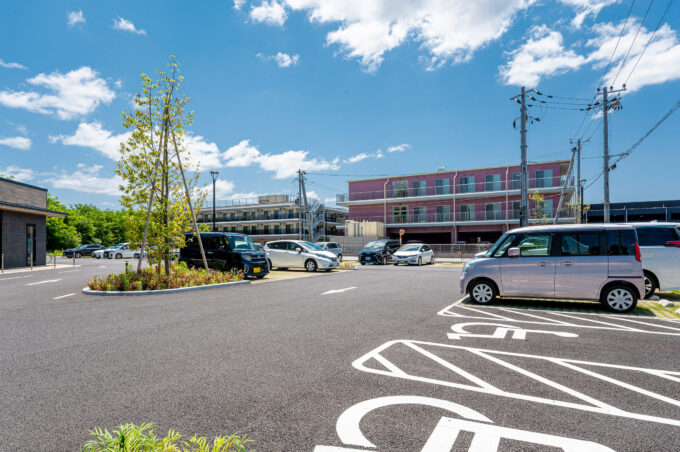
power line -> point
(623, 62)
(617, 43)
(649, 41)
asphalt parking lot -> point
(380, 358)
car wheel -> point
(395, 264)
(432, 260)
(259, 276)
(619, 298)
(363, 263)
(420, 261)
(339, 257)
(650, 285)
(380, 260)
(483, 292)
(119, 256)
(310, 265)
(78, 255)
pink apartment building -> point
(473, 205)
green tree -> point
(539, 211)
(60, 234)
(156, 192)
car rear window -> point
(657, 235)
(581, 243)
(621, 242)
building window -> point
(493, 211)
(467, 212)
(277, 229)
(289, 228)
(443, 213)
(419, 214)
(516, 207)
(400, 214)
(492, 182)
(467, 184)
(419, 188)
(246, 216)
(266, 229)
(400, 189)
(516, 181)
(442, 187)
(544, 178)
(548, 207)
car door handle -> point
(543, 263)
(567, 263)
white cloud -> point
(75, 93)
(238, 4)
(17, 173)
(8, 65)
(202, 154)
(660, 62)
(449, 30)
(358, 158)
(87, 179)
(22, 143)
(241, 155)
(399, 148)
(282, 59)
(223, 189)
(93, 135)
(270, 12)
(75, 17)
(543, 54)
(125, 25)
(21, 129)
(584, 8)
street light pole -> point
(214, 174)
(580, 214)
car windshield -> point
(412, 247)
(374, 245)
(492, 250)
(241, 243)
(311, 246)
(81, 247)
(118, 245)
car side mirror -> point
(513, 252)
(298, 249)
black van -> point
(224, 251)
(378, 251)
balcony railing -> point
(480, 187)
(479, 216)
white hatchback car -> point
(660, 249)
(413, 254)
(122, 252)
(299, 254)
(333, 247)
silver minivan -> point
(585, 262)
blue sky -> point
(342, 88)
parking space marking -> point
(485, 313)
(501, 331)
(479, 385)
(338, 290)
(43, 282)
(69, 271)
(516, 311)
(15, 277)
(63, 296)
(646, 323)
(596, 321)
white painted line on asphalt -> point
(43, 282)
(485, 313)
(476, 384)
(517, 311)
(15, 277)
(338, 290)
(69, 271)
(501, 331)
(63, 296)
(597, 321)
(646, 323)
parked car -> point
(99, 254)
(587, 262)
(225, 251)
(83, 250)
(299, 254)
(333, 247)
(413, 254)
(378, 252)
(122, 252)
(660, 248)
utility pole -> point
(307, 217)
(214, 174)
(524, 178)
(614, 104)
(300, 231)
(579, 188)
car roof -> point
(573, 227)
(652, 224)
(217, 234)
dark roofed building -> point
(23, 214)
(624, 212)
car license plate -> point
(256, 270)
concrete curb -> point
(133, 293)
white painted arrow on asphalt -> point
(43, 282)
(338, 290)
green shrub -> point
(150, 279)
(142, 438)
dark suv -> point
(225, 251)
(83, 250)
(378, 252)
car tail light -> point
(638, 257)
(675, 243)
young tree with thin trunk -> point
(152, 165)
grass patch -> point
(142, 438)
(671, 295)
(151, 279)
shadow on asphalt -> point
(588, 307)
